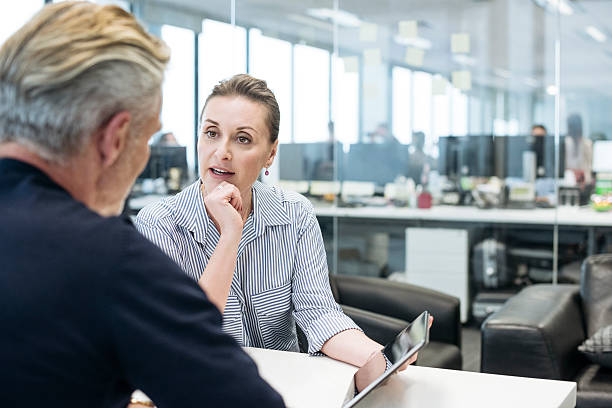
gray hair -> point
(69, 70)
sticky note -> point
(460, 43)
(462, 80)
(368, 32)
(414, 57)
(408, 29)
(439, 86)
(351, 64)
(372, 57)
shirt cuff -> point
(326, 327)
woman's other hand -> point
(224, 205)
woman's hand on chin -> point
(224, 205)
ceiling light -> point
(562, 6)
(596, 34)
(504, 73)
(313, 22)
(531, 82)
(416, 42)
(551, 90)
(464, 59)
(341, 17)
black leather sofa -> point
(537, 332)
(382, 308)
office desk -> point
(306, 381)
(565, 216)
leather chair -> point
(382, 308)
(537, 332)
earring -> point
(267, 173)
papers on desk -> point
(303, 380)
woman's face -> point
(234, 142)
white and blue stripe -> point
(281, 272)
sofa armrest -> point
(379, 328)
(535, 334)
(402, 301)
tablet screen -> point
(405, 345)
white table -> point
(306, 381)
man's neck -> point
(73, 178)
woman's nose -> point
(223, 151)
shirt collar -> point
(268, 209)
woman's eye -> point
(211, 133)
(243, 139)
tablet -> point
(405, 345)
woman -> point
(256, 250)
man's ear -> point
(112, 138)
(272, 154)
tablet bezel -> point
(422, 342)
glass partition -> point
(458, 145)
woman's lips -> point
(219, 173)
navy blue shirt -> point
(90, 310)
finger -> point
(431, 319)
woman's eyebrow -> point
(211, 121)
(247, 127)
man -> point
(89, 309)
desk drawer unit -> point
(437, 258)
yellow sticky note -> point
(351, 64)
(370, 91)
(372, 57)
(408, 29)
(368, 32)
(460, 43)
(414, 57)
(439, 86)
(462, 80)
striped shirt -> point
(281, 274)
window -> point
(270, 60)
(441, 111)
(345, 103)
(222, 53)
(422, 82)
(402, 118)
(460, 113)
(14, 16)
(178, 105)
(311, 97)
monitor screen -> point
(162, 159)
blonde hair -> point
(68, 70)
(253, 89)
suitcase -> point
(490, 265)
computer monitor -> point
(471, 155)
(162, 159)
(477, 158)
(509, 155)
(309, 161)
(448, 156)
(378, 163)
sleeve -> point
(167, 336)
(160, 235)
(315, 309)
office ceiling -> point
(512, 41)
